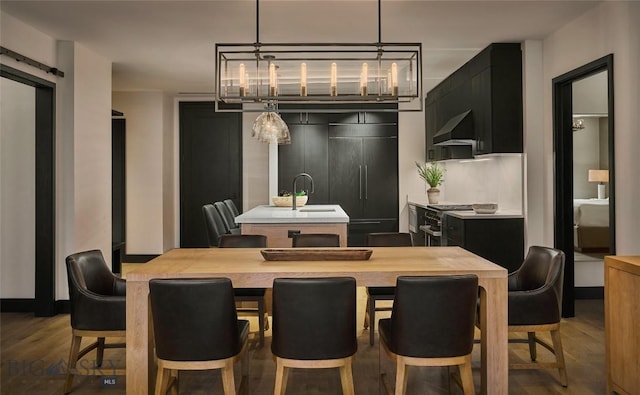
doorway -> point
(570, 228)
(42, 303)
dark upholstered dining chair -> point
(228, 218)
(214, 225)
(98, 309)
(314, 326)
(315, 240)
(374, 294)
(535, 305)
(249, 294)
(232, 207)
(196, 327)
(431, 324)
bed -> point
(591, 224)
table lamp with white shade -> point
(599, 176)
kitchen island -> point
(277, 223)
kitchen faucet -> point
(295, 179)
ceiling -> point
(169, 45)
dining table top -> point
(248, 267)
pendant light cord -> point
(379, 22)
(257, 21)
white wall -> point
(24, 39)
(144, 112)
(170, 199)
(83, 156)
(590, 95)
(487, 179)
(83, 139)
(586, 156)
(611, 27)
(17, 189)
(411, 149)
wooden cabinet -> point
(622, 324)
(500, 240)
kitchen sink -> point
(317, 210)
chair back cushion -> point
(195, 319)
(215, 226)
(91, 272)
(96, 296)
(232, 207)
(227, 217)
(243, 241)
(541, 266)
(314, 318)
(432, 317)
(389, 239)
(535, 289)
(316, 240)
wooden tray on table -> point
(315, 254)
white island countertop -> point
(309, 214)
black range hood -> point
(457, 131)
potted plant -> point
(433, 175)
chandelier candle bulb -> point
(334, 79)
(273, 90)
(303, 79)
(394, 79)
(242, 83)
(363, 79)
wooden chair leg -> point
(401, 377)
(162, 381)
(227, 379)
(557, 350)
(261, 320)
(174, 383)
(372, 320)
(282, 373)
(100, 352)
(346, 378)
(467, 377)
(73, 359)
(532, 345)
(366, 315)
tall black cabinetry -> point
(353, 159)
(363, 177)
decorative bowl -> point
(285, 201)
(485, 208)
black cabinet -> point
(308, 152)
(353, 159)
(496, 100)
(490, 85)
(363, 176)
(500, 240)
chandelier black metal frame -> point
(320, 73)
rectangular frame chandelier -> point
(320, 73)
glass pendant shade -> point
(270, 128)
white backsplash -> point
(488, 179)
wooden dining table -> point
(247, 268)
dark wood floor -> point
(35, 350)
